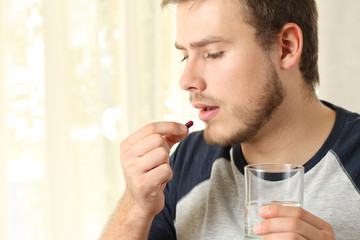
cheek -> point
(237, 77)
(249, 73)
(239, 80)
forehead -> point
(200, 18)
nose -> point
(192, 78)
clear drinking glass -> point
(270, 184)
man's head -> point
(238, 77)
(269, 16)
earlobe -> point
(291, 42)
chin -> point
(234, 135)
(217, 136)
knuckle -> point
(126, 162)
(129, 172)
(164, 175)
(287, 236)
(151, 127)
(153, 193)
(125, 151)
(123, 156)
(171, 175)
(325, 236)
(123, 148)
(293, 236)
(158, 140)
(329, 228)
(168, 171)
(299, 213)
(162, 153)
(138, 185)
(164, 172)
(294, 224)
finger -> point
(140, 165)
(284, 236)
(146, 145)
(288, 225)
(150, 183)
(173, 139)
(162, 128)
(154, 159)
(160, 175)
(273, 211)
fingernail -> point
(183, 128)
(263, 210)
(257, 227)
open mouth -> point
(208, 113)
(209, 108)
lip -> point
(207, 112)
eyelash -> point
(215, 55)
(185, 57)
(212, 55)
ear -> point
(291, 42)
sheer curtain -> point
(78, 76)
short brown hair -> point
(269, 16)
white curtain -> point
(78, 76)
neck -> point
(301, 127)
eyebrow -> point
(202, 43)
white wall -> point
(339, 58)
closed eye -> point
(215, 55)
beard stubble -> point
(273, 94)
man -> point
(251, 69)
